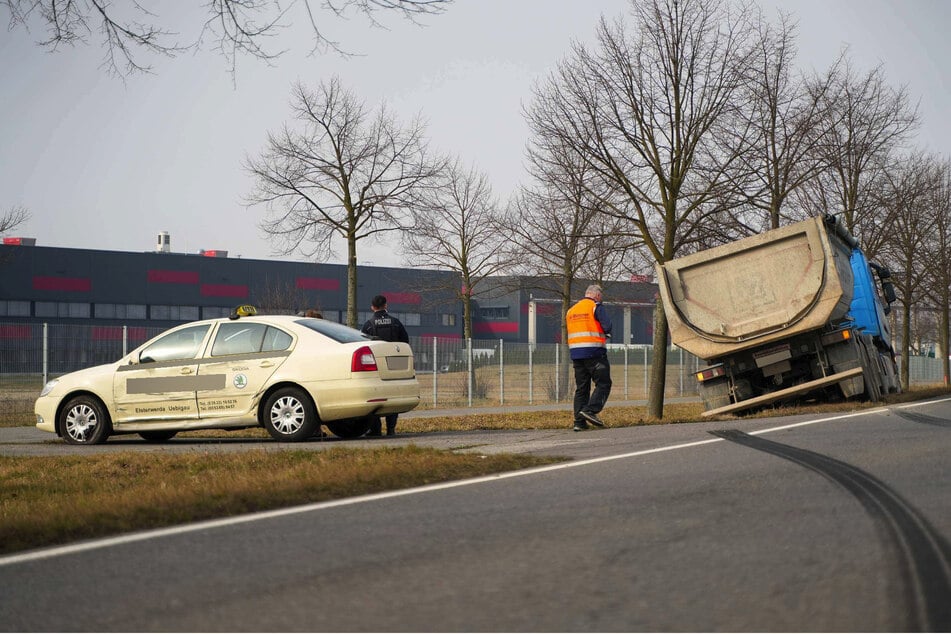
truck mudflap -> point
(765, 399)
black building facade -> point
(107, 289)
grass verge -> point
(46, 501)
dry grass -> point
(46, 501)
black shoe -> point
(390, 432)
(581, 427)
(374, 433)
(592, 418)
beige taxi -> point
(287, 374)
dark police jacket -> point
(386, 327)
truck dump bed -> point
(756, 290)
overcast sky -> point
(102, 164)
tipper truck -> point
(795, 312)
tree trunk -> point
(655, 399)
(905, 343)
(352, 282)
(467, 315)
(943, 337)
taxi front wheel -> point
(83, 421)
(289, 415)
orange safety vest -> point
(584, 331)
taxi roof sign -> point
(245, 310)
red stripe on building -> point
(496, 327)
(402, 298)
(159, 276)
(318, 284)
(114, 333)
(80, 284)
(224, 290)
(16, 332)
(107, 333)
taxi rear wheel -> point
(83, 421)
(289, 415)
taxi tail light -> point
(363, 360)
(711, 373)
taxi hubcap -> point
(80, 420)
(287, 415)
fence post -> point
(645, 371)
(125, 340)
(625, 373)
(557, 374)
(531, 374)
(46, 352)
(469, 363)
(435, 372)
(501, 374)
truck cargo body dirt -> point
(791, 312)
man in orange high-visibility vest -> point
(588, 330)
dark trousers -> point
(587, 371)
(376, 427)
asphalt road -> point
(798, 524)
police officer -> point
(588, 330)
(388, 328)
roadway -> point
(806, 523)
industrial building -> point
(161, 288)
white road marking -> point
(129, 538)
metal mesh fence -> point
(454, 372)
(925, 370)
(451, 372)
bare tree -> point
(129, 31)
(870, 123)
(908, 197)
(647, 112)
(938, 256)
(456, 227)
(344, 172)
(551, 234)
(16, 216)
(788, 117)
(557, 225)
(282, 297)
(12, 219)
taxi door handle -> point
(187, 371)
(266, 364)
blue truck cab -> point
(870, 306)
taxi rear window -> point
(337, 332)
(242, 337)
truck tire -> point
(871, 373)
(715, 393)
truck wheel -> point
(715, 393)
(84, 421)
(871, 376)
(289, 415)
